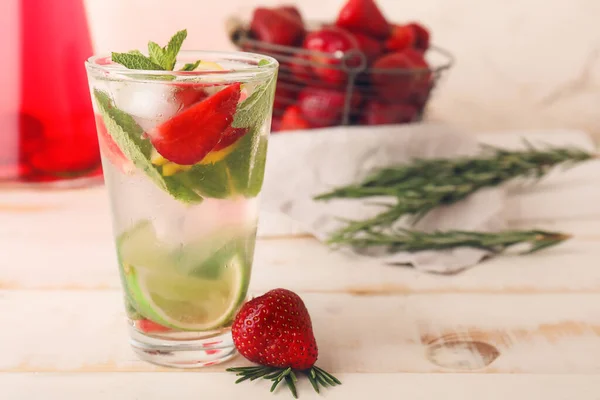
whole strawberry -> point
(275, 331)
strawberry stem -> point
(316, 376)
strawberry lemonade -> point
(183, 138)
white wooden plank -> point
(64, 262)
(217, 386)
(80, 331)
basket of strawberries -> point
(360, 70)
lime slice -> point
(140, 247)
(189, 303)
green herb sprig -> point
(158, 58)
(423, 185)
(315, 375)
(414, 241)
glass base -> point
(183, 350)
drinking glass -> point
(183, 155)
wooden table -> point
(527, 327)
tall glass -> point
(183, 155)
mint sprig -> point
(239, 173)
(135, 60)
(173, 49)
(158, 59)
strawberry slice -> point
(188, 94)
(190, 135)
(110, 149)
(230, 136)
(147, 326)
(363, 16)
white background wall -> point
(520, 63)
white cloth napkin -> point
(303, 164)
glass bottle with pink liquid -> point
(47, 129)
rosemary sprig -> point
(455, 178)
(423, 185)
(316, 376)
(414, 241)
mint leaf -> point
(210, 180)
(157, 54)
(128, 136)
(257, 172)
(263, 62)
(173, 48)
(135, 61)
(160, 58)
(252, 111)
(191, 66)
(246, 164)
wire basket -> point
(353, 93)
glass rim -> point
(92, 64)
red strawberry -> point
(275, 330)
(324, 107)
(408, 74)
(300, 69)
(377, 113)
(275, 123)
(187, 94)
(147, 326)
(363, 16)
(292, 10)
(190, 135)
(285, 95)
(276, 27)
(333, 41)
(423, 80)
(292, 120)
(109, 147)
(371, 47)
(230, 136)
(422, 36)
(402, 37)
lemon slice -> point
(209, 66)
(186, 302)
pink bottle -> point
(47, 130)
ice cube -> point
(215, 215)
(136, 198)
(149, 103)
